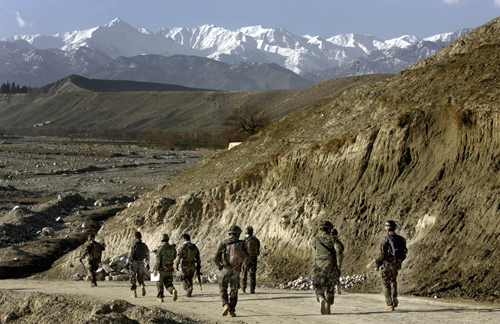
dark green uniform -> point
(230, 273)
(389, 267)
(165, 267)
(325, 268)
(93, 250)
(249, 268)
(139, 253)
(189, 259)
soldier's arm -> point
(178, 256)
(147, 255)
(197, 258)
(86, 251)
(379, 257)
(218, 255)
(339, 249)
(156, 268)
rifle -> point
(84, 269)
(198, 275)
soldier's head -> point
(91, 237)
(235, 230)
(249, 230)
(326, 226)
(390, 225)
(164, 238)
(334, 232)
(138, 235)
(185, 237)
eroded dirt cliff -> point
(421, 148)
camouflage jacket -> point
(384, 260)
(220, 259)
(184, 257)
(339, 248)
(165, 257)
(324, 259)
(94, 250)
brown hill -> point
(76, 83)
(172, 110)
(421, 148)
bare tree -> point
(248, 119)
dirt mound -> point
(19, 307)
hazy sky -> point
(385, 19)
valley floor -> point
(270, 305)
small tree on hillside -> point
(245, 120)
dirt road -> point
(273, 305)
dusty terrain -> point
(63, 184)
(78, 302)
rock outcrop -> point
(422, 148)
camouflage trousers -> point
(389, 285)
(137, 273)
(249, 269)
(229, 277)
(324, 284)
(167, 280)
(187, 275)
(93, 266)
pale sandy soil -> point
(274, 305)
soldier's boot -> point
(395, 302)
(144, 290)
(323, 303)
(189, 292)
(159, 299)
(329, 303)
(134, 294)
(174, 295)
(225, 311)
(232, 313)
(252, 290)
(337, 290)
(389, 308)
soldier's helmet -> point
(138, 234)
(164, 238)
(235, 229)
(326, 225)
(91, 236)
(335, 232)
(390, 225)
(249, 230)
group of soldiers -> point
(237, 262)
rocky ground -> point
(53, 191)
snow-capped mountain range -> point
(306, 55)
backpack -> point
(96, 250)
(253, 246)
(192, 251)
(140, 251)
(397, 246)
(233, 253)
(168, 254)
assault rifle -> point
(84, 269)
(198, 274)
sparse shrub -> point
(461, 117)
(334, 145)
(403, 119)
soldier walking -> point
(250, 266)
(229, 257)
(139, 253)
(389, 258)
(164, 265)
(339, 248)
(189, 259)
(325, 268)
(93, 250)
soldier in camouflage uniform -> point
(189, 259)
(229, 257)
(164, 265)
(93, 250)
(389, 258)
(339, 248)
(250, 267)
(139, 253)
(325, 268)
